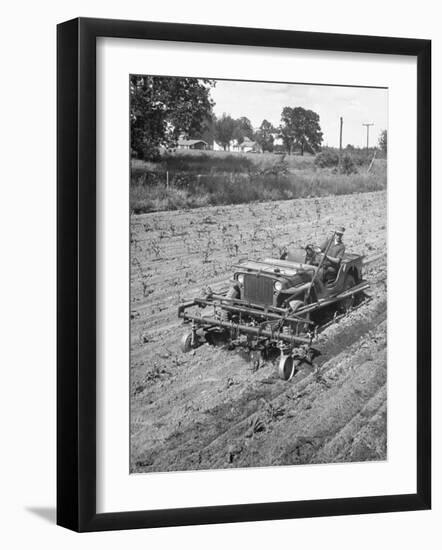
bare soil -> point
(211, 408)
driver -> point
(334, 255)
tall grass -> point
(191, 179)
(210, 162)
(149, 194)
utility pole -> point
(340, 140)
(368, 124)
(340, 135)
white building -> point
(277, 140)
(218, 147)
(246, 146)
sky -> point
(264, 100)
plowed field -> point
(210, 408)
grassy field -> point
(193, 179)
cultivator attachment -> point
(244, 318)
(261, 330)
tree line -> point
(299, 129)
(164, 108)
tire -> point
(347, 303)
(232, 293)
(287, 367)
(186, 342)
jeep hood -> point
(274, 266)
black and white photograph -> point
(258, 273)
(220, 325)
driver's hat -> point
(340, 230)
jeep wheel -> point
(287, 367)
(186, 342)
(232, 294)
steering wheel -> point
(312, 255)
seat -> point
(330, 276)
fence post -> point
(341, 121)
(167, 179)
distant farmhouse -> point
(192, 144)
(247, 146)
(277, 140)
(218, 147)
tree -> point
(243, 129)
(207, 130)
(162, 108)
(300, 128)
(264, 136)
(224, 129)
(382, 142)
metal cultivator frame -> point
(259, 327)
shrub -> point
(206, 162)
(361, 156)
(348, 165)
(150, 153)
(327, 159)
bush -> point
(361, 157)
(206, 162)
(150, 153)
(348, 165)
(327, 159)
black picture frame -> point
(77, 287)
